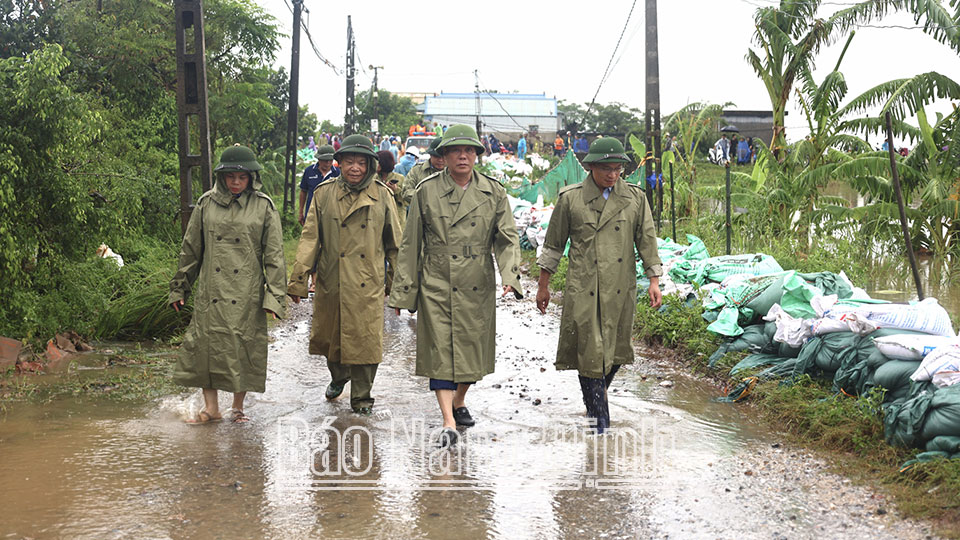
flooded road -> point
(675, 465)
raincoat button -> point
(618, 291)
(235, 271)
(218, 269)
(344, 225)
(214, 300)
(219, 238)
(363, 284)
(343, 255)
(406, 287)
(473, 224)
(474, 288)
(237, 240)
(454, 289)
(591, 293)
(362, 256)
(619, 259)
(454, 256)
(363, 226)
(594, 261)
(617, 228)
(233, 301)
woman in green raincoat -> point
(232, 252)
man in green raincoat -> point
(232, 251)
(350, 230)
(459, 220)
(607, 222)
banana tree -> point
(930, 174)
(690, 125)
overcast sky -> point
(562, 49)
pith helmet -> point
(237, 159)
(356, 144)
(606, 150)
(432, 149)
(460, 135)
(325, 152)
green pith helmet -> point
(237, 159)
(325, 152)
(356, 144)
(460, 135)
(606, 150)
(432, 149)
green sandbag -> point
(949, 444)
(717, 269)
(926, 457)
(741, 301)
(754, 339)
(758, 360)
(779, 368)
(944, 415)
(895, 374)
(903, 420)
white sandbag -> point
(926, 316)
(790, 330)
(911, 346)
(942, 366)
(105, 252)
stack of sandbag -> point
(758, 340)
(716, 269)
(670, 253)
(741, 300)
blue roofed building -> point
(499, 113)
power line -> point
(606, 72)
(313, 46)
(502, 107)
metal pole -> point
(348, 126)
(191, 103)
(673, 213)
(293, 115)
(476, 89)
(903, 212)
(729, 226)
(652, 136)
(376, 109)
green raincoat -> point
(346, 237)
(445, 271)
(233, 252)
(600, 299)
(414, 177)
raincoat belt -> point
(466, 251)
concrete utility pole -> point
(375, 125)
(293, 114)
(653, 107)
(476, 89)
(348, 119)
(192, 118)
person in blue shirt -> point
(409, 159)
(581, 146)
(522, 147)
(322, 170)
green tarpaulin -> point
(567, 173)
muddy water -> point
(676, 465)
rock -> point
(666, 384)
(64, 343)
(57, 358)
(881, 511)
(9, 353)
(537, 401)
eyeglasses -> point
(393, 181)
(608, 169)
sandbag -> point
(926, 316)
(943, 418)
(942, 366)
(717, 269)
(895, 374)
(754, 339)
(911, 346)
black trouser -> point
(595, 398)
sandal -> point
(203, 417)
(239, 417)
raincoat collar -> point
(477, 193)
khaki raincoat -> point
(396, 194)
(600, 299)
(414, 177)
(445, 271)
(346, 237)
(233, 252)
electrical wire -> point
(606, 72)
(316, 51)
(501, 106)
